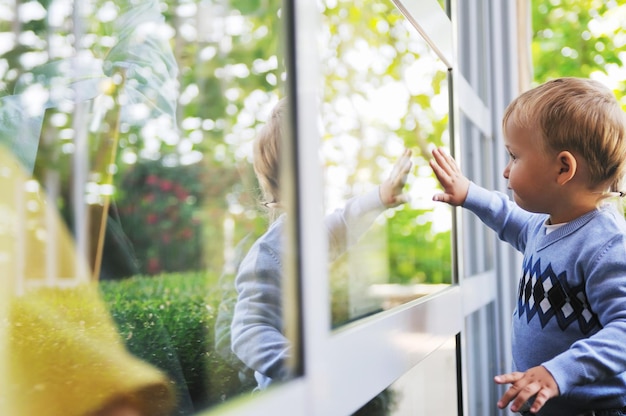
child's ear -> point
(567, 165)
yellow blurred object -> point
(60, 353)
(66, 358)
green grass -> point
(169, 321)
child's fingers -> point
(403, 165)
(524, 387)
(508, 378)
(439, 164)
(442, 176)
(445, 161)
(441, 197)
(402, 199)
(403, 170)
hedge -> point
(169, 321)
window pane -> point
(384, 90)
(429, 388)
(130, 201)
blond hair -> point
(266, 154)
(581, 116)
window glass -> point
(384, 90)
(127, 140)
(426, 389)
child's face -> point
(529, 169)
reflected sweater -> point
(257, 329)
(571, 311)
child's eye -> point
(512, 156)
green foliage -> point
(416, 253)
(169, 321)
(159, 213)
(579, 38)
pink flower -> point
(166, 185)
(186, 233)
(153, 265)
(152, 218)
(152, 180)
(180, 192)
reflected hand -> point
(455, 184)
(537, 382)
(391, 190)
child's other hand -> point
(455, 184)
(391, 190)
(537, 382)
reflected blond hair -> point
(266, 154)
(581, 116)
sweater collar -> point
(567, 229)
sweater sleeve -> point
(257, 327)
(500, 214)
(600, 356)
(346, 225)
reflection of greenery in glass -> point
(229, 56)
(161, 221)
(186, 86)
(420, 255)
(384, 89)
(168, 321)
(90, 98)
(225, 68)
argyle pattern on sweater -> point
(546, 295)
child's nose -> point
(506, 172)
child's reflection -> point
(257, 332)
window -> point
(145, 249)
(128, 133)
(383, 89)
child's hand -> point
(455, 184)
(537, 382)
(391, 190)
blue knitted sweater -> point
(571, 310)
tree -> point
(582, 38)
